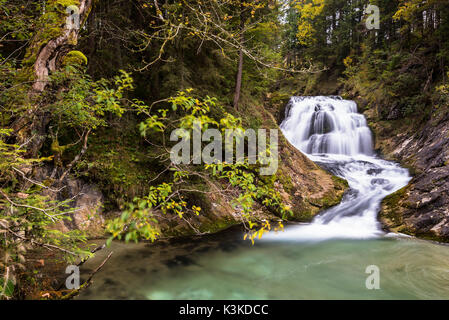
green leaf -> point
(8, 290)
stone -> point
(86, 202)
(423, 209)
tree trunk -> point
(31, 127)
(238, 82)
(52, 53)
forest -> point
(91, 92)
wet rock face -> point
(422, 209)
(86, 200)
(429, 199)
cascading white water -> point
(331, 132)
(328, 125)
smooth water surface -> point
(224, 266)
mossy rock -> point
(340, 183)
(302, 215)
(393, 199)
(286, 181)
(391, 213)
(214, 226)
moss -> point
(304, 215)
(392, 213)
(340, 183)
(116, 162)
(393, 199)
(280, 97)
(409, 164)
(269, 181)
(328, 201)
(213, 226)
(430, 236)
(75, 58)
(52, 33)
(286, 181)
(51, 26)
(175, 229)
(63, 4)
(334, 197)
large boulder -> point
(84, 199)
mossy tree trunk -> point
(51, 42)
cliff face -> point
(421, 208)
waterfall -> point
(331, 132)
(327, 125)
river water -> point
(326, 259)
